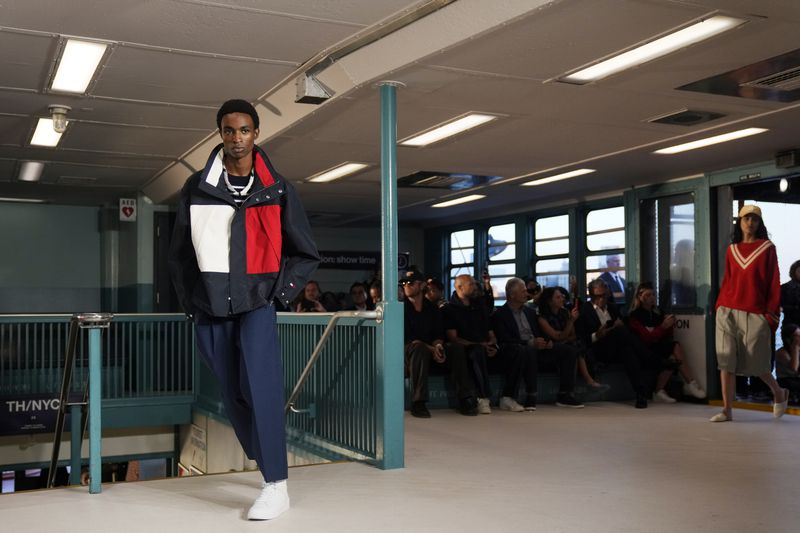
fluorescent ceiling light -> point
(30, 171)
(695, 33)
(23, 200)
(45, 135)
(462, 200)
(559, 177)
(77, 66)
(448, 129)
(701, 143)
(336, 172)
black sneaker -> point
(567, 399)
(530, 403)
(641, 401)
(419, 410)
(468, 406)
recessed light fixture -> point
(77, 66)
(45, 134)
(448, 129)
(22, 200)
(339, 171)
(708, 141)
(462, 200)
(30, 171)
(559, 177)
(662, 46)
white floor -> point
(606, 468)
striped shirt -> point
(238, 186)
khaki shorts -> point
(744, 342)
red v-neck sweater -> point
(752, 282)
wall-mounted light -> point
(59, 114)
(783, 185)
(30, 171)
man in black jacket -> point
(424, 344)
(602, 330)
(523, 348)
(241, 241)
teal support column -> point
(390, 443)
(95, 414)
(76, 439)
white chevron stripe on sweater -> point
(745, 262)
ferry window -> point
(668, 249)
(502, 251)
(605, 245)
(551, 247)
(462, 255)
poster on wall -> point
(127, 209)
(30, 413)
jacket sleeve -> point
(182, 260)
(300, 256)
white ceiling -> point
(149, 117)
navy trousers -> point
(244, 354)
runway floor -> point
(606, 468)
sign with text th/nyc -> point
(127, 209)
(30, 413)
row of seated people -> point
(467, 334)
(362, 297)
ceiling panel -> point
(24, 59)
(171, 77)
(15, 130)
(131, 140)
(352, 11)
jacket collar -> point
(211, 180)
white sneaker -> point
(271, 503)
(779, 408)
(483, 406)
(693, 389)
(510, 404)
(662, 397)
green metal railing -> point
(143, 356)
(150, 359)
(336, 407)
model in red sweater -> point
(747, 311)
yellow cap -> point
(750, 209)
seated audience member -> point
(608, 340)
(534, 291)
(466, 323)
(423, 334)
(655, 330)
(787, 359)
(358, 296)
(558, 325)
(310, 299)
(331, 301)
(790, 295)
(375, 292)
(524, 349)
(434, 292)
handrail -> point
(376, 315)
(66, 379)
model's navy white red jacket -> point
(227, 260)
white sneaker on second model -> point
(663, 397)
(271, 503)
(483, 406)
(693, 389)
(510, 404)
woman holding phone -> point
(655, 329)
(748, 308)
